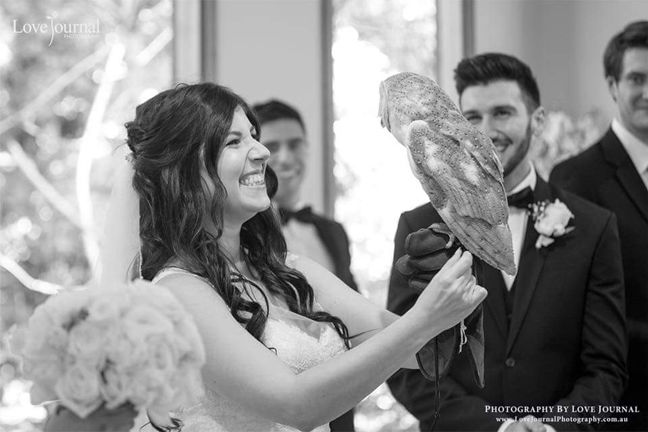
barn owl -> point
(455, 163)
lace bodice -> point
(299, 342)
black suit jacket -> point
(566, 340)
(604, 174)
(335, 240)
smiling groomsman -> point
(555, 332)
(614, 174)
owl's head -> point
(404, 98)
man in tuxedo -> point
(554, 333)
(614, 174)
(307, 233)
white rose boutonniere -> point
(551, 220)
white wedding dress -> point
(298, 341)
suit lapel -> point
(630, 180)
(626, 172)
(530, 266)
(329, 242)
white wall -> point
(273, 48)
(561, 40)
(450, 43)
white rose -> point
(122, 352)
(57, 340)
(146, 386)
(65, 307)
(86, 341)
(107, 307)
(44, 368)
(47, 329)
(554, 219)
(160, 298)
(143, 320)
(45, 373)
(543, 241)
(163, 355)
(43, 336)
(115, 387)
(78, 389)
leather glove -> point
(427, 250)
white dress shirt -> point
(637, 149)
(303, 239)
(517, 222)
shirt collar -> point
(298, 206)
(529, 181)
(637, 149)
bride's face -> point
(241, 168)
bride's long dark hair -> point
(173, 135)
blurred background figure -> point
(307, 233)
(614, 174)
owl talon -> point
(441, 228)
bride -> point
(288, 346)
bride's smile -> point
(241, 168)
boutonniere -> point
(551, 220)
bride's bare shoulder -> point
(190, 289)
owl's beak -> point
(383, 109)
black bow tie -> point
(304, 215)
(522, 199)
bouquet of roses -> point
(133, 345)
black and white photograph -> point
(323, 215)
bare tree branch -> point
(28, 167)
(24, 278)
(154, 48)
(144, 57)
(52, 90)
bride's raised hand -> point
(452, 294)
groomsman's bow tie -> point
(304, 215)
(522, 199)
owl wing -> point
(457, 128)
(463, 180)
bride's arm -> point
(362, 317)
(243, 370)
